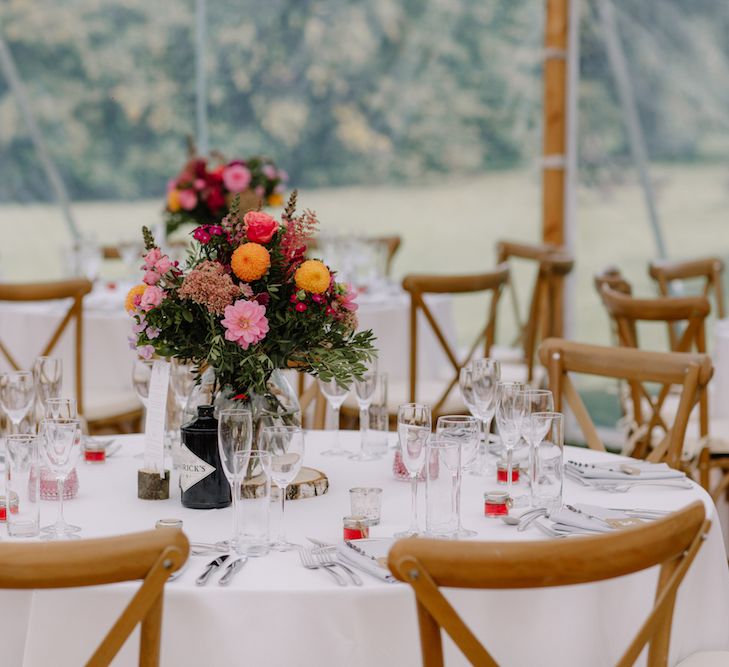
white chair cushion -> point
(110, 404)
(706, 659)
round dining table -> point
(276, 612)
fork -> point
(326, 560)
(309, 561)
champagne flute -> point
(235, 435)
(533, 431)
(60, 448)
(414, 423)
(335, 394)
(47, 377)
(364, 390)
(510, 409)
(486, 376)
(465, 432)
(285, 444)
(17, 392)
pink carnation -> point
(151, 298)
(236, 178)
(188, 199)
(245, 323)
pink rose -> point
(236, 177)
(188, 199)
(260, 227)
(151, 298)
(151, 277)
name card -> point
(154, 425)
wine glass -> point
(47, 376)
(414, 423)
(533, 431)
(510, 409)
(465, 432)
(235, 435)
(182, 381)
(60, 448)
(477, 381)
(335, 394)
(364, 390)
(285, 444)
(61, 408)
(141, 376)
(17, 392)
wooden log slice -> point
(308, 484)
(150, 486)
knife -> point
(230, 571)
(211, 567)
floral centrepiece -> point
(247, 303)
(202, 192)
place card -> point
(154, 425)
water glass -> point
(252, 502)
(535, 400)
(22, 485)
(547, 473)
(379, 418)
(442, 484)
(366, 502)
(414, 424)
(61, 408)
(17, 391)
(365, 390)
(335, 394)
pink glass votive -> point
(49, 486)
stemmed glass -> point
(16, 396)
(60, 408)
(364, 390)
(47, 377)
(510, 409)
(60, 448)
(235, 435)
(414, 423)
(335, 394)
(141, 376)
(285, 444)
(465, 432)
(477, 381)
(533, 431)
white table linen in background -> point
(277, 613)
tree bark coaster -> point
(308, 484)
(150, 486)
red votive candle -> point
(355, 528)
(92, 455)
(495, 503)
(501, 473)
(4, 506)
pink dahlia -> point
(245, 323)
(236, 177)
(347, 297)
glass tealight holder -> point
(366, 502)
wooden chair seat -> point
(706, 659)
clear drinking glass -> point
(285, 444)
(235, 435)
(182, 381)
(364, 390)
(535, 400)
(254, 504)
(47, 378)
(486, 377)
(442, 484)
(141, 376)
(22, 485)
(414, 424)
(547, 472)
(510, 410)
(366, 501)
(61, 408)
(60, 450)
(17, 391)
(465, 432)
(379, 420)
(335, 395)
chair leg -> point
(151, 635)
(431, 642)
(704, 468)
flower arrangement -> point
(202, 193)
(248, 302)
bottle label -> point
(192, 468)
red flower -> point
(200, 168)
(215, 199)
(301, 307)
(240, 397)
(260, 227)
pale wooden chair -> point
(637, 368)
(312, 402)
(125, 417)
(544, 318)
(671, 543)
(490, 285)
(392, 244)
(151, 556)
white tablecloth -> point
(277, 613)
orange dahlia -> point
(134, 296)
(250, 261)
(313, 276)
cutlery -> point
(308, 560)
(587, 515)
(528, 518)
(210, 568)
(609, 467)
(112, 450)
(639, 510)
(230, 571)
(622, 487)
(204, 548)
(547, 530)
(178, 573)
(326, 560)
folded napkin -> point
(581, 518)
(603, 471)
(367, 555)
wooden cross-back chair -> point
(691, 372)
(419, 286)
(545, 315)
(671, 543)
(391, 243)
(150, 556)
(627, 312)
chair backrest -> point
(74, 289)
(691, 372)
(710, 269)
(671, 543)
(613, 278)
(151, 556)
(421, 285)
(545, 315)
